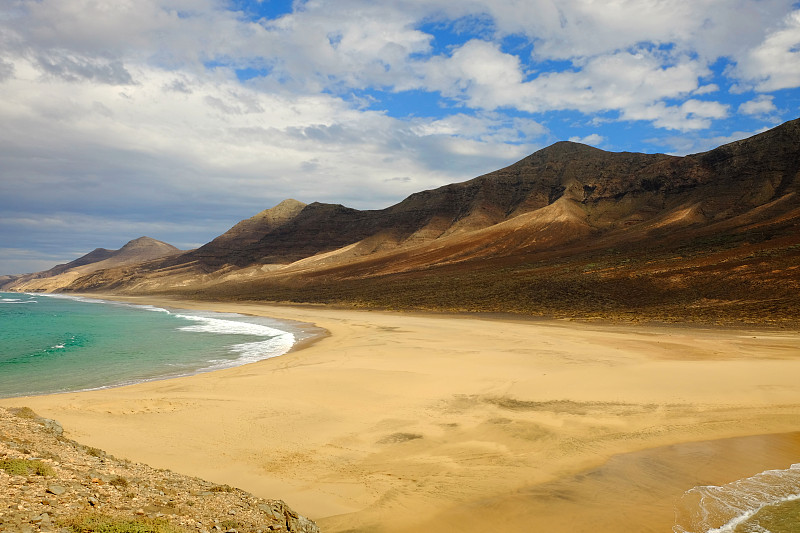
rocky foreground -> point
(49, 483)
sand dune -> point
(399, 421)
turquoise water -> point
(51, 344)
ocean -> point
(52, 343)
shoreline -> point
(303, 334)
(396, 419)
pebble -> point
(40, 518)
(58, 490)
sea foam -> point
(16, 301)
(276, 342)
(720, 509)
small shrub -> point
(23, 467)
(15, 467)
(119, 482)
(107, 524)
(24, 412)
(222, 488)
(42, 469)
(95, 452)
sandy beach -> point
(410, 422)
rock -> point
(58, 490)
(40, 518)
(302, 524)
(53, 426)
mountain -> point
(134, 252)
(570, 230)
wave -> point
(273, 342)
(16, 301)
(277, 342)
(720, 509)
(227, 327)
(85, 299)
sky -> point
(175, 119)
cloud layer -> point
(177, 118)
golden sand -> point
(395, 422)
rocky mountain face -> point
(594, 191)
(570, 230)
(233, 246)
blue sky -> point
(177, 118)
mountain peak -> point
(250, 230)
(284, 211)
(144, 242)
(569, 148)
(142, 249)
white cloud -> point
(706, 89)
(690, 115)
(626, 54)
(617, 82)
(481, 76)
(566, 29)
(692, 143)
(218, 139)
(775, 63)
(593, 139)
(759, 106)
(477, 73)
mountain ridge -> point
(567, 204)
(133, 252)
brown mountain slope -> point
(568, 230)
(134, 252)
(614, 189)
(227, 248)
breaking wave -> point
(735, 507)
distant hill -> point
(134, 252)
(570, 230)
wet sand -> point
(395, 422)
(639, 491)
